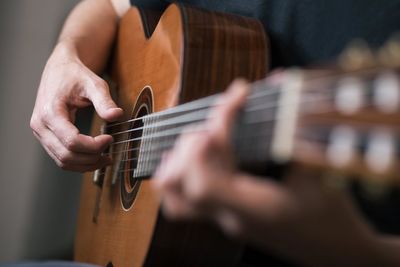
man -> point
(297, 219)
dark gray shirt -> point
(306, 32)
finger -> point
(168, 182)
(258, 198)
(229, 222)
(69, 135)
(77, 168)
(103, 162)
(223, 116)
(175, 207)
(196, 185)
(162, 167)
(168, 175)
(68, 158)
(159, 175)
(49, 152)
(99, 93)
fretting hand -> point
(299, 218)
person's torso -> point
(309, 31)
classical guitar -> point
(160, 61)
(168, 69)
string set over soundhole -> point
(129, 183)
(125, 150)
(351, 124)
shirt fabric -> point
(307, 32)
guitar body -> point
(159, 62)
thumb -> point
(99, 93)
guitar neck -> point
(252, 136)
(298, 118)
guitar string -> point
(254, 88)
(154, 160)
(204, 117)
(157, 147)
(155, 126)
(174, 119)
(150, 137)
(194, 116)
(202, 102)
(257, 134)
(151, 159)
(171, 132)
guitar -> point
(168, 69)
(161, 61)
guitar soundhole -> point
(129, 185)
(109, 264)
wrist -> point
(67, 48)
(80, 50)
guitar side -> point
(191, 54)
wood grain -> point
(191, 54)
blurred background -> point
(38, 202)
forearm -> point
(88, 33)
(338, 238)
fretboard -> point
(251, 139)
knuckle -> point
(100, 84)
(70, 141)
(233, 227)
(34, 123)
(62, 165)
(199, 194)
(199, 147)
(47, 113)
(65, 157)
(236, 231)
(173, 213)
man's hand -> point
(189, 176)
(67, 85)
(69, 82)
(300, 218)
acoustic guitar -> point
(161, 61)
(168, 70)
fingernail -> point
(116, 109)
